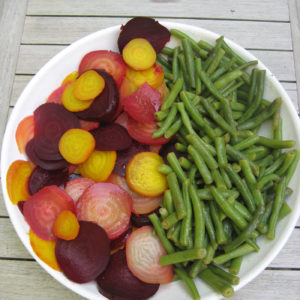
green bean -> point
(198, 67)
(160, 115)
(205, 194)
(254, 75)
(218, 179)
(176, 195)
(210, 227)
(221, 151)
(248, 64)
(260, 117)
(164, 169)
(262, 226)
(173, 129)
(229, 210)
(169, 221)
(168, 202)
(226, 178)
(284, 211)
(167, 103)
(275, 144)
(167, 122)
(242, 187)
(189, 59)
(276, 164)
(286, 163)
(186, 225)
(225, 275)
(236, 265)
(210, 253)
(240, 251)
(192, 173)
(227, 112)
(216, 61)
(231, 53)
(175, 165)
(196, 267)
(220, 234)
(163, 61)
(183, 72)
(246, 143)
(175, 64)
(227, 78)
(185, 118)
(185, 163)
(167, 51)
(242, 210)
(217, 117)
(258, 99)
(181, 273)
(199, 223)
(200, 163)
(163, 212)
(173, 234)
(293, 166)
(266, 179)
(276, 208)
(265, 162)
(217, 283)
(180, 147)
(246, 169)
(204, 45)
(161, 233)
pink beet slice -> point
(41, 209)
(51, 121)
(40, 178)
(43, 163)
(104, 106)
(111, 137)
(77, 186)
(143, 103)
(85, 257)
(117, 281)
(120, 241)
(147, 28)
(124, 156)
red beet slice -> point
(143, 103)
(147, 28)
(40, 178)
(120, 241)
(21, 206)
(117, 281)
(104, 107)
(123, 157)
(111, 137)
(51, 121)
(85, 257)
(41, 209)
(45, 164)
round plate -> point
(50, 77)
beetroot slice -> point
(85, 257)
(118, 281)
(51, 121)
(147, 28)
(124, 156)
(45, 164)
(140, 220)
(111, 137)
(120, 241)
(105, 105)
(40, 178)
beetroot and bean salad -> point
(147, 166)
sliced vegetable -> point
(41, 210)
(143, 103)
(70, 77)
(107, 205)
(143, 251)
(85, 257)
(140, 220)
(127, 88)
(142, 175)
(75, 188)
(56, 95)
(119, 242)
(88, 125)
(66, 226)
(24, 133)
(99, 165)
(16, 181)
(76, 145)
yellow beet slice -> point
(45, 250)
(142, 175)
(76, 145)
(70, 77)
(89, 85)
(99, 165)
(139, 54)
(71, 102)
(66, 226)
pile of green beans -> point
(227, 184)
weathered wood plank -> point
(61, 30)
(33, 57)
(231, 9)
(12, 15)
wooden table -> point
(33, 31)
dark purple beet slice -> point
(20, 206)
(51, 121)
(45, 164)
(140, 220)
(104, 106)
(120, 241)
(147, 28)
(124, 156)
(85, 257)
(40, 178)
(117, 281)
(111, 137)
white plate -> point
(50, 77)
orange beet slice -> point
(24, 133)
(42, 208)
(16, 181)
(143, 251)
(107, 205)
(85, 257)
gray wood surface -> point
(33, 31)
